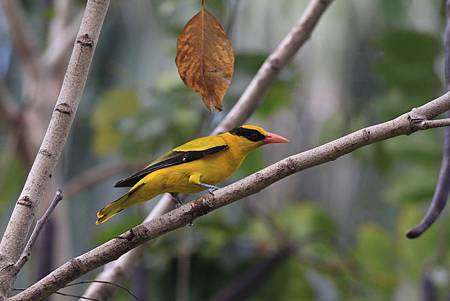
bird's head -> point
(252, 136)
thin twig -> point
(107, 283)
(76, 296)
(250, 185)
(442, 189)
(37, 230)
(430, 124)
(63, 294)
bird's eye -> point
(254, 137)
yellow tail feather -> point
(112, 209)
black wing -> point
(174, 159)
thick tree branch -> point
(284, 52)
(442, 190)
(15, 235)
(184, 215)
(242, 110)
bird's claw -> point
(211, 191)
(211, 188)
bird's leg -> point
(195, 179)
(177, 199)
(211, 188)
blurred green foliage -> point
(13, 175)
(406, 70)
(112, 109)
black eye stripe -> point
(252, 135)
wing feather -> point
(176, 157)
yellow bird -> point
(192, 167)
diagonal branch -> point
(14, 238)
(244, 108)
(442, 190)
(252, 184)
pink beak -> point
(274, 138)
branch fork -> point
(420, 122)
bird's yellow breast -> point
(213, 169)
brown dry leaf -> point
(205, 58)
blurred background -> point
(333, 232)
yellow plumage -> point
(191, 167)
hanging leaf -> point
(205, 58)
